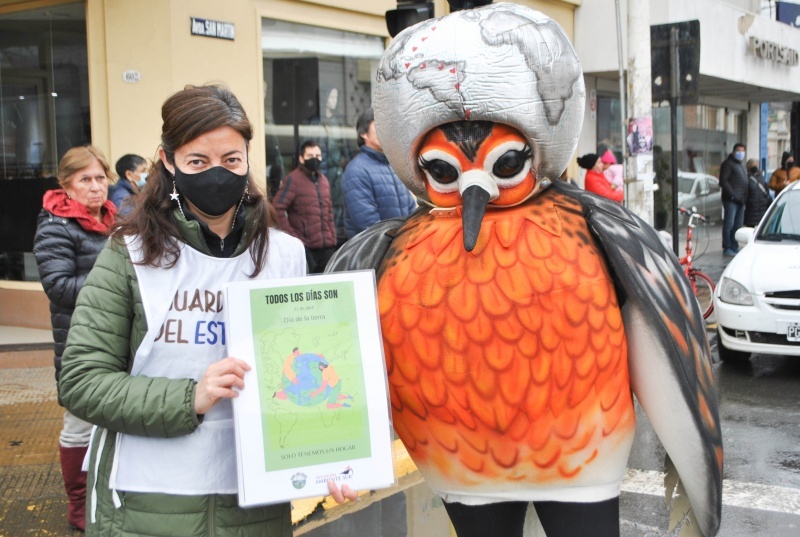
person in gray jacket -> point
(733, 182)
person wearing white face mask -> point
(733, 182)
(132, 171)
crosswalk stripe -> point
(734, 493)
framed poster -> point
(315, 405)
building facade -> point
(74, 72)
(747, 59)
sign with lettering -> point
(131, 77)
(315, 406)
(775, 52)
(209, 28)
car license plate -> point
(793, 332)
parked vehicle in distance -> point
(700, 191)
(757, 300)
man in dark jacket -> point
(305, 210)
(733, 182)
(372, 191)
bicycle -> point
(702, 284)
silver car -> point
(701, 191)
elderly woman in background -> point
(132, 171)
(73, 227)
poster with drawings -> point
(315, 403)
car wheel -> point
(729, 355)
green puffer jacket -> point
(107, 327)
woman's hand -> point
(346, 493)
(218, 381)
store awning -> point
(728, 89)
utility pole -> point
(639, 167)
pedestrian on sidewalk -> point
(758, 198)
(372, 192)
(614, 172)
(73, 227)
(595, 181)
(149, 371)
(733, 183)
(305, 207)
(787, 173)
(132, 172)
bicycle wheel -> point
(703, 288)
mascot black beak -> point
(475, 199)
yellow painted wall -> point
(153, 37)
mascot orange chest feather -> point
(519, 314)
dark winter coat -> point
(305, 209)
(120, 192)
(65, 253)
(733, 180)
(758, 199)
(372, 192)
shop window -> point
(779, 127)
(609, 134)
(317, 82)
(706, 135)
(44, 111)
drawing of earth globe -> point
(309, 378)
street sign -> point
(675, 48)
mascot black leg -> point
(561, 519)
(504, 518)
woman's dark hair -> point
(305, 145)
(786, 156)
(362, 124)
(127, 163)
(187, 114)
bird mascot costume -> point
(521, 314)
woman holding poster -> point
(147, 359)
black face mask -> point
(312, 164)
(753, 170)
(213, 191)
(789, 164)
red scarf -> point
(58, 203)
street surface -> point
(759, 407)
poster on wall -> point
(315, 406)
(640, 136)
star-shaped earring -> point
(174, 196)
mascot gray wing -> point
(668, 353)
(367, 249)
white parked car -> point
(757, 300)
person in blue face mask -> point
(132, 171)
(733, 182)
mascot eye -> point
(510, 164)
(439, 170)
